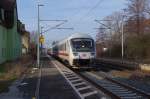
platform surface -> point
(52, 85)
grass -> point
(5, 78)
(11, 71)
(123, 74)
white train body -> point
(77, 50)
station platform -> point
(44, 83)
(49, 82)
(53, 85)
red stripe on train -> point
(64, 54)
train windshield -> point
(82, 45)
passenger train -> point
(78, 50)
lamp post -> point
(122, 38)
(38, 35)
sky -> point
(80, 15)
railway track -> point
(107, 67)
(114, 88)
(105, 83)
(83, 89)
(115, 65)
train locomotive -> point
(78, 50)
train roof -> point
(76, 35)
(79, 35)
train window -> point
(65, 47)
(81, 45)
(0, 15)
(3, 52)
(9, 18)
(61, 47)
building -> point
(25, 42)
(10, 37)
(25, 38)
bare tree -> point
(114, 26)
(101, 35)
(136, 31)
(136, 9)
(147, 8)
(33, 37)
(117, 18)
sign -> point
(41, 39)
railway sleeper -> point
(68, 74)
(105, 85)
(108, 83)
(105, 82)
(113, 88)
(65, 71)
(79, 84)
(128, 94)
(76, 80)
(116, 88)
(122, 91)
(135, 97)
(87, 87)
(88, 90)
(89, 94)
(72, 78)
(125, 93)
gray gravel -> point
(136, 83)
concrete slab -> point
(53, 85)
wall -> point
(10, 42)
(3, 44)
(25, 42)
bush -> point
(138, 47)
(116, 50)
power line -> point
(97, 4)
(83, 17)
(56, 20)
(65, 28)
(54, 27)
(58, 25)
(93, 8)
(89, 11)
(98, 21)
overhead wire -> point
(89, 11)
(93, 8)
(85, 16)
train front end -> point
(83, 52)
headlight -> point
(75, 54)
(92, 54)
